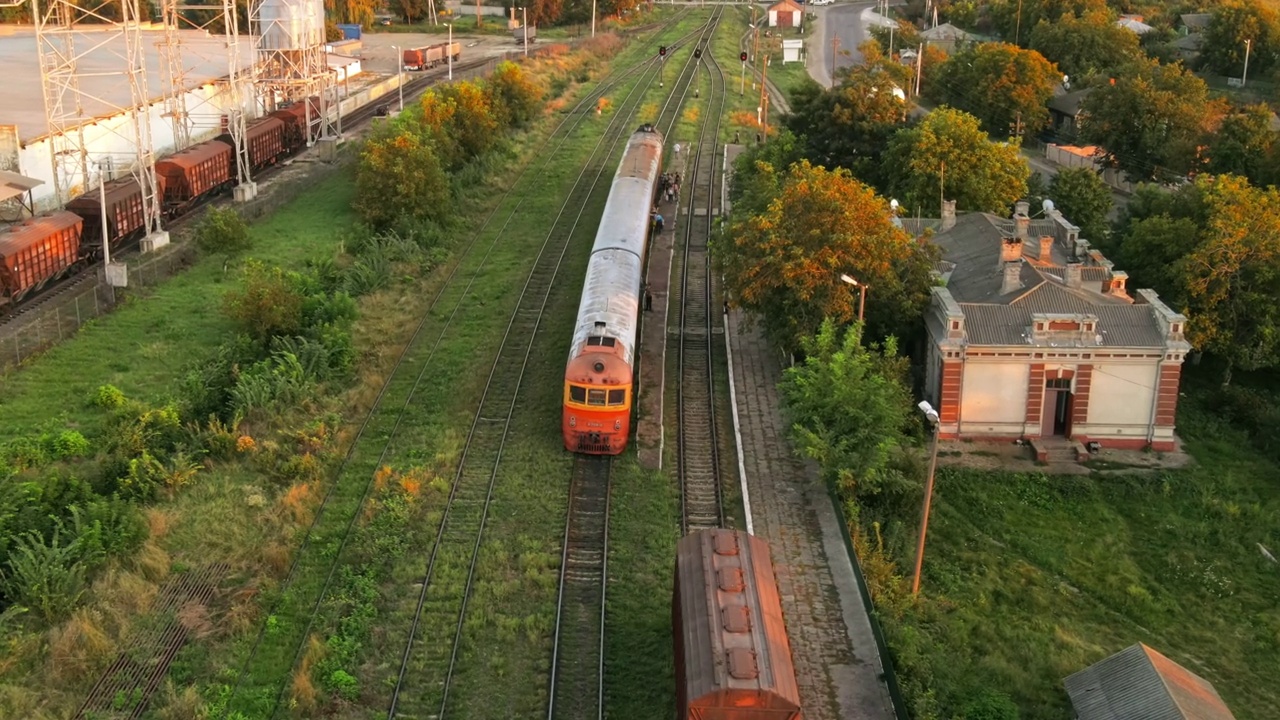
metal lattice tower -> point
(292, 63)
(214, 18)
(100, 40)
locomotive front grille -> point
(593, 443)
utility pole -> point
(1244, 78)
(942, 184)
(934, 420)
(1017, 31)
(593, 17)
(1015, 127)
(764, 98)
(524, 20)
(478, 20)
(835, 52)
(448, 51)
(919, 67)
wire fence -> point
(62, 314)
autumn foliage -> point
(400, 176)
(783, 259)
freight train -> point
(598, 380)
(42, 249)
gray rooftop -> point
(974, 276)
(205, 59)
(1068, 103)
(1196, 21)
(1139, 683)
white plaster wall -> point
(1120, 395)
(994, 393)
(113, 138)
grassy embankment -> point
(1030, 578)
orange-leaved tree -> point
(784, 262)
(400, 178)
(513, 94)
(475, 126)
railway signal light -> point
(662, 50)
(742, 56)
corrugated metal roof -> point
(1138, 683)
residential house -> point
(1064, 112)
(1134, 23)
(1139, 683)
(1033, 334)
(947, 37)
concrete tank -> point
(291, 24)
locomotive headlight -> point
(573, 421)
(617, 424)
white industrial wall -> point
(114, 137)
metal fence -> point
(61, 315)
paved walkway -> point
(837, 663)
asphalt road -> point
(851, 24)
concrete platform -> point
(650, 430)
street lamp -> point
(399, 74)
(1244, 77)
(862, 294)
(448, 51)
(932, 416)
(524, 20)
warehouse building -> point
(1139, 683)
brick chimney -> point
(948, 214)
(1022, 226)
(1117, 283)
(1071, 275)
(1022, 207)
(1011, 249)
(1012, 280)
(1046, 248)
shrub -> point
(48, 577)
(987, 704)
(401, 175)
(108, 397)
(223, 232)
(514, 95)
(267, 304)
(278, 382)
(67, 444)
(341, 682)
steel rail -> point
(698, 451)
(470, 445)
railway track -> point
(381, 427)
(698, 447)
(578, 650)
(438, 614)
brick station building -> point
(1033, 334)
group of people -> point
(669, 186)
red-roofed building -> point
(785, 14)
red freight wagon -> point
(295, 122)
(265, 141)
(37, 250)
(125, 218)
(191, 174)
(415, 59)
(733, 659)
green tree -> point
(411, 11)
(849, 125)
(1014, 19)
(1153, 122)
(400, 178)
(1232, 24)
(1084, 199)
(784, 263)
(850, 410)
(948, 154)
(513, 94)
(269, 304)
(1001, 84)
(1246, 145)
(223, 232)
(1086, 47)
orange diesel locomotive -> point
(598, 380)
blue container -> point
(350, 32)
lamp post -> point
(1244, 77)
(932, 416)
(593, 18)
(448, 51)
(862, 294)
(399, 74)
(524, 21)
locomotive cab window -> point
(617, 397)
(595, 397)
(601, 341)
(577, 393)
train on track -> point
(598, 381)
(733, 658)
(42, 249)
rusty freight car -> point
(193, 174)
(298, 119)
(37, 250)
(733, 659)
(265, 139)
(125, 218)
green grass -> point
(144, 346)
(1030, 578)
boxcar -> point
(37, 250)
(125, 219)
(295, 119)
(191, 175)
(733, 659)
(265, 140)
